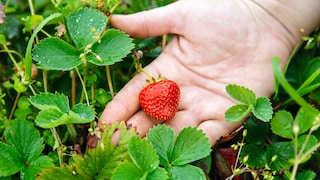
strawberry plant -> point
(274, 146)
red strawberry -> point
(160, 99)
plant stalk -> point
(83, 86)
(109, 81)
(59, 144)
(14, 106)
(73, 88)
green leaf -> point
(143, 155)
(10, 159)
(102, 161)
(162, 2)
(111, 3)
(34, 168)
(30, 22)
(119, 154)
(281, 124)
(51, 118)
(114, 46)
(283, 151)
(262, 109)
(307, 175)
(186, 172)
(62, 172)
(48, 101)
(312, 141)
(130, 171)
(257, 131)
(304, 120)
(2, 39)
(25, 138)
(80, 113)
(241, 94)
(158, 174)
(85, 26)
(55, 110)
(237, 113)
(127, 171)
(256, 155)
(18, 85)
(54, 53)
(191, 144)
(315, 96)
(23, 109)
(161, 138)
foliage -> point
(260, 107)
(22, 151)
(284, 144)
(55, 111)
(62, 62)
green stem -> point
(11, 57)
(72, 132)
(45, 80)
(114, 7)
(73, 88)
(139, 68)
(83, 86)
(14, 106)
(45, 33)
(32, 90)
(31, 7)
(289, 89)
(137, 55)
(296, 159)
(305, 88)
(276, 84)
(60, 145)
(55, 4)
(109, 81)
(85, 77)
(310, 151)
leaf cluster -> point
(55, 111)
(286, 141)
(90, 43)
(260, 107)
(159, 156)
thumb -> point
(155, 22)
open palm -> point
(216, 43)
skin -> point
(216, 43)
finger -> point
(149, 23)
(215, 129)
(141, 122)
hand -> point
(216, 43)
